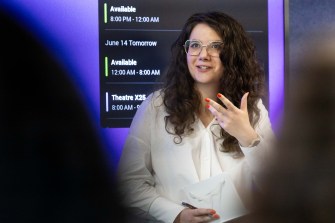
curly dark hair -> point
(242, 73)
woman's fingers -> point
(215, 107)
(232, 119)
(229, 105)
(244, 102)
(198, 215)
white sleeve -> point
(245, 175)
(135, 171)
(256, 155)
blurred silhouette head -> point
(299, 184)
(52, 168)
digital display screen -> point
(134, 46)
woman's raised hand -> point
(233, 120)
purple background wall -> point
(69, 28)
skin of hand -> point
(197, 215)
(233, 120)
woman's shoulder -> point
(156, 98)
(153, 101)
(264, 112)
(261, 105)
(150, 108)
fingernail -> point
(216, 216)
(207, 106)
(212, 212)
(207, 99)
(219, 95)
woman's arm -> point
(135, 170)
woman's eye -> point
(216, 46)
(195, 45)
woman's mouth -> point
(203, 67)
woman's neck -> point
(207, 91)
(210, 92)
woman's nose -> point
(203, 53)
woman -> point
(207, 119)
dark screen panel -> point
(134, 44)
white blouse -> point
(153, 169)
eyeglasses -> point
(194, 47)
